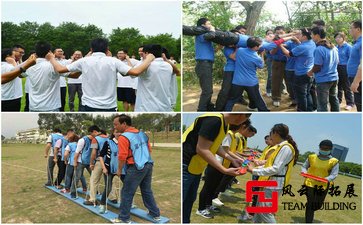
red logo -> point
(261, 196)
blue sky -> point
(150, 18)
(308, 130)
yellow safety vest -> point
(271, 160)
(197, 163)
(320, 168)
(243, 143)
(233, 147)
(266, 151)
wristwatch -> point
(22, 70)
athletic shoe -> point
(276, 103)
(217, 202)
(101, 209)
(252, 109)
(205, 213)
(214, 209)
(113, 201)
(155, 218)
(47, 184)
(227, 193)
(117, 220)
(88, 202)
(268, 94)
(65, 190)
(235, 181)
(348, 107)
(244, 216)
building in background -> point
(340, 152)
(33, 135)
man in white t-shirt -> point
(125, 84)
(75, 86)
(44, 94)
(99, 75)
(59, 56)
(49, 153)
(11, 92)
(153, 92)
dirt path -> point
(191, 99)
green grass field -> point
(25, 200)
(119, 104)
(233, 205)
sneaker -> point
(276, 103)
(236, 181)
(155, 218)
(244, 216)
(113, 201)
(227, 193)
(117, 220)
(101, 209)
(252, 109)
(47, 184)
(65, 190)
(348, 107)
(88, 202)
(214, 209)
(205, 213)
(268, 94)
(217, 202)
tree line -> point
(71, 36)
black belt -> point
(204, 60)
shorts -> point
(126, 95)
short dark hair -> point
(252, 129)
(57, 130)
(268, 31)
(153, 49)
(99, 45)
(42, 48)
(326, 143)
(103, 132)
(202, 21)
(74, 138)
(92, 128)
(124, 50)
(306, 32)
(341, 34)
(18, 46)
(319, 22)
(357, 24)
(319, 30)
(254, 42)
(239, 27)
(123, 118)
(5, 53)
(279, 28)
(166, 52)
(267, 136)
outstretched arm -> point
(11, 75)
(142, 67)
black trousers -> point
(61, 171)
(212, 179)
(11, 105)
(315, 200)
(63, 91)
(26, 108)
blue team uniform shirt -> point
(247, 61)
(227, 51)
(354, 58)
(344, 53)
(328, 60)
(203, 49)
(290, 63)
(304, 57)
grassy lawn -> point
(233, 205)
(25, 200)
(119, 104)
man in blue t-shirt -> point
(325, 69)
(204, 55)
(343, 83)
(245, 77)
(304, 61)
(290, 71)
(355, 58)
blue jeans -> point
(327, 92)
(290, 78)
(190, 189)
(79, 174)
(133, 179)
(254, 97)
(302, 92)
(269, 74)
